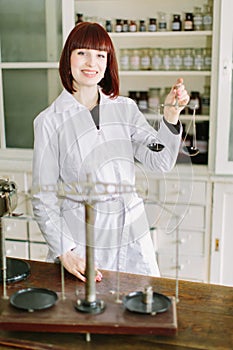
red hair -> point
(87, 35)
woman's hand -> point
(176, 101)
(76, 265)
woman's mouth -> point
(90, 74)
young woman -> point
(90, 129)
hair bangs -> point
(91, 37)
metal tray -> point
(134, 302)
(16, 270)
(32, 299)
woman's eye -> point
(80, 53)
(102, 55)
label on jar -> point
(145, 62)
(167, 61)
(162, 25)
(176, 26)
(132, 28)
(152, 27)
(188, 62)
(188, 25)
(199, 63)
(156, 62)
(135, 62)
(142, 104)
(177, 62)
(124, 62)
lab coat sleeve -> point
(144, 134)
(45, 203)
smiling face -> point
(87, 67)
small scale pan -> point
(155, 147)
(32, 299)
(134, 303)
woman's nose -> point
(91, 60)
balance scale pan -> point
(17, 270)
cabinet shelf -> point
(193, 33)
(145, 73)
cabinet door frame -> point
(222, 239)
(225, 85)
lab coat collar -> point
(66, 101)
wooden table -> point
(204, 312)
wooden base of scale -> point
(63, 317)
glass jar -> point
(156, 59)
(108, 26)
(143, 101)
(197, 19)
(188, 59)
(145, 59)
(177, 59)
(154, 98)
(188, 22)
(176, 23)
(207, 58)
(125, 26)
(134, 59)
(195, 103)
(134, 96)
(132, 26)
(207, 17)
(198, 59)
(142, 26)
(166, 59)
(205, 99)
(118, 26)
(162, 22)
(152, 27)
(124, 59)
(79, 18)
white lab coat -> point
(67, 147)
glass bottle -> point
(108, 25)
(176, 23)
(197, 19)
(167, 60)
(145, 59)
(125, 26)
(188, 22)
(142, 26)
(154, 98)
(134, 59)
(162, 22)
(124, 59)
(207, 17)
(152, 27)
(156, 59)
(132, 26)
(79, 18)
(118, 26)
(134, 96)
(198, 59)
(177, 60)
(206, 100)
(143, 101)
(207, 58)
(188, 59)
(195, 102)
